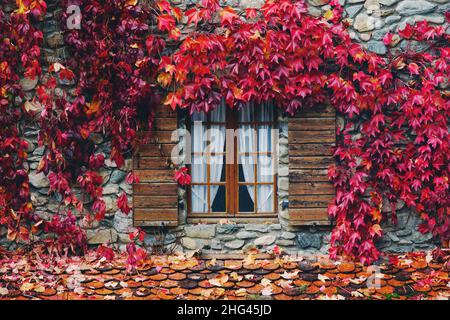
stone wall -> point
(369, 19)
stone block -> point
(202, 231)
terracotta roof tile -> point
(177, 276)
(283, 278)
(158, 277)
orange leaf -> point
(376, 214)
(228, 15)
(376, 228)
(92, 108)
(164, 79)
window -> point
(233, 162)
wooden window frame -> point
(232, 182)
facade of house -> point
(263, 183)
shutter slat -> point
(311, 138)
(155, 197)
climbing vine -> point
(393, 144)
(113, 63)
(19, 58)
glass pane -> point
(218, 114)
(246, 113)
(198, 137)
(246, 139)
(264, 112)
(199, 199)
(217, 168)
(246, 168)
(265, 138)
(265, 168)
(246, 196)
(198, 116)
(265, 198)
(216, 136)
(198, 169)
(218, 196)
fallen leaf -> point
(241, 292)
(26, 287)
(323, 278)
(267, 291)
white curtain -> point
(198, 144)
(265, 164)
(246, 137)
(217, 144)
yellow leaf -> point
(164, 79)
(377, 229)
(131, 2)
(241, 292)
(250, 259)
(170, 68)
(26, 287)
(328, 15)
(21, 7)
(134, 46)
(39, 289)
(175, 33)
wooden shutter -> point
(155, 198)
(312, 134)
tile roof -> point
(412, 276)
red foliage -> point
(106, 253)
(299, 61)
(122, 203)
(19, 57)
(182, 177)
(124, 54)
(67, 234)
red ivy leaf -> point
(132, 178)
(122, 203)
(413, 68)
(228, 16)
(387, 40)
(166, 22)
(182, 177)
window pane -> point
(246, 139)
(246, 113)
(199, 199)
(246, 168)
(246, 196)
(198, 169)
(218, 199)
(265, 138)
(216, 136)
(198, 136)
(218, 114)
(217, 168)
(198, 116)
(265, 198)
(265, 168)
(264, 112)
